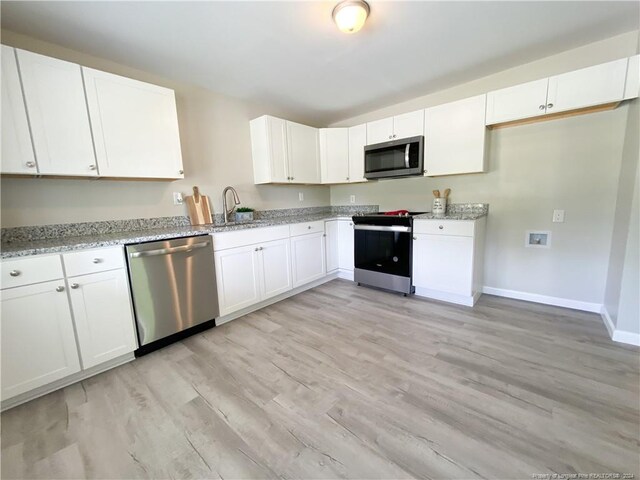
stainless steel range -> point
(383, 250)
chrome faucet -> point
(236, 201)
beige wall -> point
(216, 150)
(571, 164)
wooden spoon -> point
(447, 192)
(436, 193)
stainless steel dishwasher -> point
(173, 283)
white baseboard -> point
(545, 299)
(346, 274)
(620, 336)
(65, 382)
(270, 301)
(468, 301)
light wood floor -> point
(345, 381)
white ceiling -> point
(291, 54)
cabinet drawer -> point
(92, 261)
(309, 227)
(460, 228)
(25, 271)
(251, 236)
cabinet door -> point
(334, 155)
(443, 263)
(357, 142)
(103, 317)
(57, 109)
(332, 245)
(345, 245)
(455, 137)
(276, 268)
(38, 343)
(237, 276)
(308, 258)
(408, 124)
(380, 131)
(135, 127)
(304, 153)
(514, 103)
(269, 150)
(632, 84)
(17, 150)
(587, 87)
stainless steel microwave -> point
(398, 158)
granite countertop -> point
(80, 242)
(459, 211)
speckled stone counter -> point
(24, 241)
(459, 211)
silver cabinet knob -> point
(441, 227)
(60, 289)
(30, 164)
(541, 107)
(549, 105)
(75, 285)
(309, 227)
(351, 224)
(389, 137)
(292, 178)
(394, 136)
(255, 249)
(324, 234)
(180, 172)
(14, 273)
(261, 248)
(92, 167)
(415, 238)
(97, 260)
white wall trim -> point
(467, 301)
(545, 299)
(606, 319)
(629, 338)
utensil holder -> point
(439, 206)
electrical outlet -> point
(558, 216)
(301, 196)
(177, 198)
(352, 199)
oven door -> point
(383, 256)
(397, 158)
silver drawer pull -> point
(14, 273)
(75, 285)
(60, 289)
(309, 227)
(97, 260)
(440, 227)
(168, 251)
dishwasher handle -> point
(169, 251)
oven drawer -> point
(460, 228)
(308, 227)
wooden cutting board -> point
(199, 208)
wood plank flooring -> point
(349, 382)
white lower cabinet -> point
(332, 245)
(238, 278)
(276, 267)
(447, 259)
(308, 258)
(345, 245)
(103, 316)
(38, 343)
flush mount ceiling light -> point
(350, 15)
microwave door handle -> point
(406, 155)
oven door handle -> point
(383, 228)
(406, 155)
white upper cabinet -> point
(17, 150)
(587, 87)
(334, 155)
(514, 103)
(135, 127)
(269, 150)
(393, 128)
(357, 142)
(303, 152)
(455, 136)
(408, 124)
(57, 109)
(632, 85)
(380, 131)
